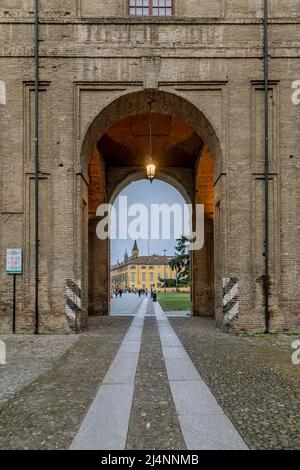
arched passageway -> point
(142, 259)
(188, 156)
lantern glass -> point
(151, 169)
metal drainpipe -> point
(36, 33)
(266, 89)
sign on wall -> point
(14, 261)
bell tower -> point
(135, 251)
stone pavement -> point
(178, 313)
(27, 358)
(106, 424)
(128, 304)
(253, 379)
(154, 423)
(202, 421)
(162, 381)
(46, 414)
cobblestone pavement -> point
(253, 379)
(47, 413)
(154, 423)
(27, 358)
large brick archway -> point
(130, 104)
(189, 158)
(203, 68)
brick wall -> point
(93, 73)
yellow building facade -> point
(142, 272)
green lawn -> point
(174, 302)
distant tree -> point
(175, 265)
(169, 283)
(181, 262)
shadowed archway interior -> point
(183, 157)
(127, 143)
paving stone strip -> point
(153, 424)
(203, 422)
(253, 379)
(47, 413)
(105, 425)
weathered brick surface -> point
(206, 62)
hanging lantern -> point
(151, 170)
(150, 167)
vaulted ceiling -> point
(127, 143)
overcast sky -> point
(144, 193)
